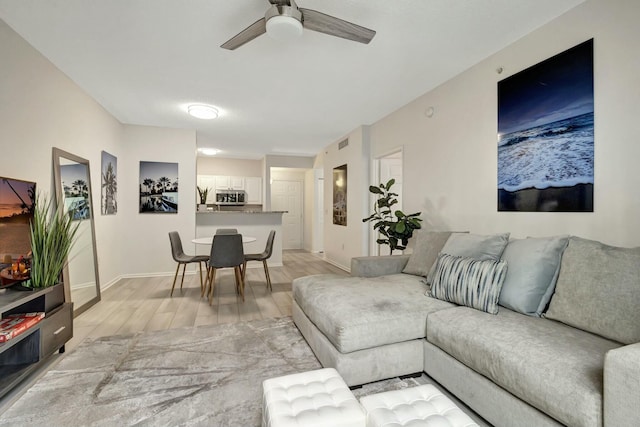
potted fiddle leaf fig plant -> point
(53, 232)
(203, 193)
(395, 227)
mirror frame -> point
(57, 183)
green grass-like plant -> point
(52, 235)
(203, 193)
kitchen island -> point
(257, 224)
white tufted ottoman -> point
(315, 398)
(417, 406)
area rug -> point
(199, 376)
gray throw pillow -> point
(474, 246)
(598, 290)
(425, 252)
(469, 282)
(534, 264)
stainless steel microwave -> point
(231, 197)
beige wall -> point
(145, 237)
(450, 160)
(230, 167)
(341, 243)
(41, 108)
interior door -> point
(287, 196)
(390, 166)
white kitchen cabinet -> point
(222, 182)
(229, 182)
(253, 188)
(236, 182)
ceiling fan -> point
(285, 19)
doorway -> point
(286, 195)
(386, 167)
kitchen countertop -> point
(241, 212)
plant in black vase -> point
(203, 193)
(395, 226)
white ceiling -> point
(145, 60)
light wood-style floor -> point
(144, 304)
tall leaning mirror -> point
(72, 181)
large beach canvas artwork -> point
(17, 202)
(158, 187)
(75, 187)
(109, 172)
(545, 135)
(340, 195)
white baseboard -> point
(252, 264)
(334, 263)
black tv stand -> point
(23, 354)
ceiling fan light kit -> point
(284, 20)
(283, 23)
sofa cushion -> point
(551, 366)
(598, 290)
(356, 313)
(476, 246)
(534, 264)
(469, 282)
(428, 245)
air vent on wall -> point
(343, 144)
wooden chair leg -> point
(239, 281)
(244, 270)
(266, 273)
(184, 269)
(201, 284)
(206, 281)
(174, 279)
(212, 285)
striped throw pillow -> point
(469, 282)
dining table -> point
(209, 240)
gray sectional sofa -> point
(566, 351)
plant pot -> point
(54, 298)
(18, 286)
(202, 208)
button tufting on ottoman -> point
(315, 398)
(417, 406)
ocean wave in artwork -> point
(558, 154)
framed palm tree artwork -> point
(109, 173)
(158, 187)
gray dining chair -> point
(183, 259)
(263, 256)
(227, 231)
(226, 252)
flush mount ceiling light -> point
(208, 151)
(201, 111)
(284, 23)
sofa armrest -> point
(621, 399)
(372, 266)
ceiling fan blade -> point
(245, 36)
(317, 21)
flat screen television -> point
(17, 202)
